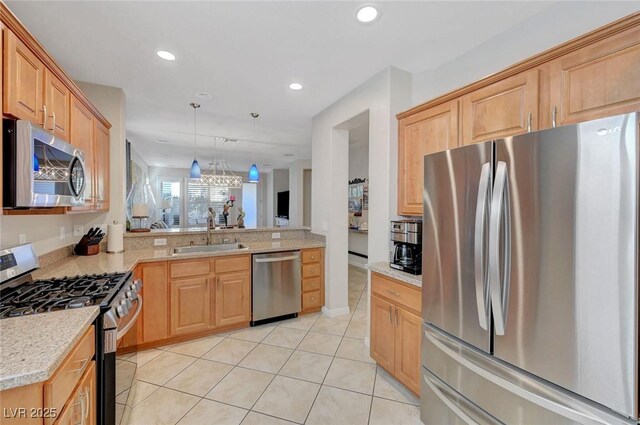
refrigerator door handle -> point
(500, 248)
(480, 263)
(440, 391)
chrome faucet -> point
(209, 236)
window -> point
(200, 198)
(170, 203)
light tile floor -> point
(309, 370)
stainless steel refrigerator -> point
(530, 278)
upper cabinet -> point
(593, 76)
(23, 81)
(432, 130)
(57, 104)
(36, 89)
(596, 81)
(502, 109)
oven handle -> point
(122, 332)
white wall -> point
(296, 191)
(330, 168)
(50, 232)
(306, 202)
(280, 184)
(559, 23)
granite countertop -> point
(383, 267)
(202, 230)
(125, 261)
(32, 347)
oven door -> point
(49, 172)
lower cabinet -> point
(189, 305)
(81, 408)
(232, 299)
(396, 329)
(312, 271)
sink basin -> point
(208, 248)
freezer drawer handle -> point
(500, 220)
(436, 387)
(277, 259)
(480, 259)
(541, 400)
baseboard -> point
(335, 312)
(359, 265)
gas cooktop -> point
(41, 296)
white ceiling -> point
(245, 54)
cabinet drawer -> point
(312, 284)
(58, 389)
(311, 270)
(310, 256)
(311, 300)
(233, 264)
(189, 268)
(400, 294)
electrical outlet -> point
(78, 230)
(160, 242)
(22, 238)
(63, 234)
(275, 235)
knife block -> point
(86, 249)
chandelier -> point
(220, 175)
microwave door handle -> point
(500, 246)
(484, 196)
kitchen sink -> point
(208, 248)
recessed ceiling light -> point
(295, 86)
(166, 55)
(203, 95)
(367, 14)
(288, 154)
(162, 142)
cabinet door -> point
(155, 301)
(102, 165)
(189, 305)
(23, 76)
(81, 136)
(427, 132)
(407, 355)
(600, 80)
(233, 299)
(383, 333)
(502, 109)
(57, 99)
(81, 407)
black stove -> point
(41, 296)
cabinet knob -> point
(553, 117)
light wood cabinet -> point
(430, 131)
(312, 265)
(155, 305)
(597, 81)
(233, 298)
(102, 166)
(57, 101)
(502, 109)
(81, 408)
(81, 136)
(190, 305)
(396, 329)
(22, 80)
(407, 345)
(382, 333)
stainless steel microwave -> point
(39, 169)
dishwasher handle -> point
(277, 259)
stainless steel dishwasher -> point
(276, 286)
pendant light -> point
(254, 174)
(195, 167)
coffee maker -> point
(407, 246)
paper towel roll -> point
(115, 238)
